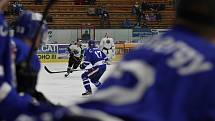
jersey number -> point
(98, 54)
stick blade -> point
(47, 70)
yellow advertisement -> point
(46, 58)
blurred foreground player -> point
(25, 30)
(11, 104)
(75, 56)
(170, 78)
(94, 65)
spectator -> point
(13, 7)
(17, 8)
(147, 17)
(152, 17)
(158, 16)
(104, 18)
(161, 7)
(150, 6)
(137, 26)
(85, 36)
(99, 11)
(91, 11)
(10, 8)
(91, 2)
(144, 6)
(79, 2)
(39, 2)
(136, 9)
(49, 18)
(126, 24)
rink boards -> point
(58, 52)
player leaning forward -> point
(11, 103)
(94, 64)
(75, 56)
(169, 78)
(25, 32)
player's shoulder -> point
(2, 18)
(72, 46)
(180, 51)
(88, 50)
(19, 42)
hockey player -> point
(75, 56)
(25, 31)
(94, 65)
(11, 103)
(169, 78)
(108, 47)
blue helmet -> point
(27, 23)
(91, 44)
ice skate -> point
(87, 93)
(68, 72)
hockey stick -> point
(54, 72)
(45, 13)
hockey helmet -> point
(107, 35)
(91, 44)
(27, 23)
(198, 11)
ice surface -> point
(63, 90)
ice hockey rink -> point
(64, 90)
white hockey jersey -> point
(76, 50)
(107, 43)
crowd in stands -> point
(38, 2)
(102, 13)
(85, 2)
(147, 11)
(126, 24)
(14, 8)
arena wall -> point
(65, 36)
(50, 53)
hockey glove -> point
(82, 66)
(26, 78)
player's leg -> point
(96, 75)
(105, 51)
(70, 64)
(77, 62)
(110, 56)
(86, 83)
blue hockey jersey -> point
(94, 57)
(169, 78)
(22, 54)
(11, 104)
